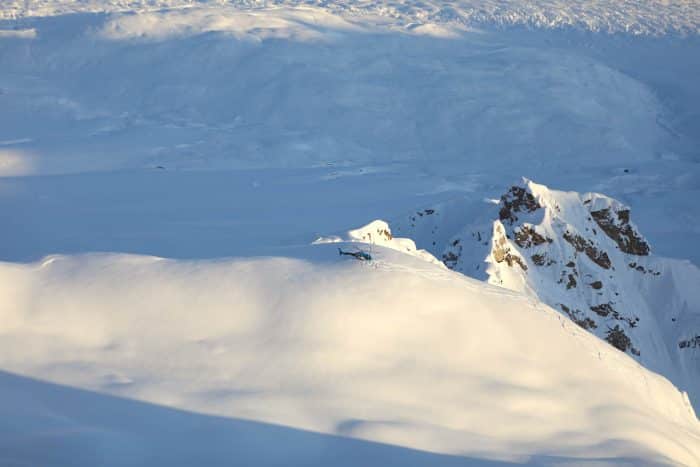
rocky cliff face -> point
(563, 244)
(582, 255)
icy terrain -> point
(207, 145)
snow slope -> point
(399, 351)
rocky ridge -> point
(582, 255)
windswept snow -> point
(612, 16)
(400, 351)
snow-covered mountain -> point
(205, 143)
(582, 255)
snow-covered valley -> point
(176, 179)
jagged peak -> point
(571, 250)
(588, 212)
(517, 202)
(581, 254)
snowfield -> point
(397, 351)
(176, 178)
(304, 87)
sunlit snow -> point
(177, 178)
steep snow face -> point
(582, 255)
(399, 351)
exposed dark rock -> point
(627, 239)
(582, 245)
(572, 282)
(450, 259)
(618, 339)
(425, 212)
(517, 199)
(596, 285)
(526, 236)
(603, 309)
(606, 309)
(644, 270)
(585, 322)
(692, 343)
(539, 259)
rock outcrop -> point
(582, 255)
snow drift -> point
(399, 351)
